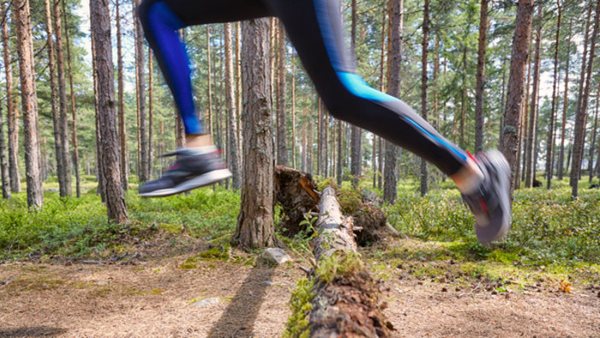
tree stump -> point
(296, 192)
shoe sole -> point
(196, 182)
(498, 160)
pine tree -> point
(33, 168)
(106, 115)
(255, 222)
(516, 82)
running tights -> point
(315, 29)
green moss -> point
(301, 304)
(338, 264)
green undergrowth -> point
(552, 237)
(300, 304)
(78, 227)
(548, 227)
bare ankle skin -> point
(467, 175)
(198, 141)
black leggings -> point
(315, 28)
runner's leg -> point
(161, 20)
(315, 28)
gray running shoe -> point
(490, 203)
(192, 169)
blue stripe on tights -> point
(172, 54)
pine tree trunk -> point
(141, 99)
(99, 172)
(322, 139)
(4, 179)
(293, 108)
(106, 114)
(233, 145)
(516, 83)
(424, 55)
(356, 134)
(255, 223)
(11, 106)
(75, 155)
(480, 87)
(309, 145)
(340, 153)
(563, 132)
(593, 141)
(550, 138)
(534, 111)
(581, 115)
(121, 102)
(62, 95)
(377, 161)
(396, 20)
(282, 155)
(503, 102)
(29, 102)
(209, 111)
(150, 111)
(57, 126)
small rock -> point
(275, 256)
(207, 302)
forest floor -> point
(67, 272)
(196, 295)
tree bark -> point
(62, 96)
(593, 141)
(233, 145)
(534, 111)
(322, 139)
(282, 152)
(141, 99)
(150, 112)
(581, 115)
(56, 124)
(209, 112)
(480, 87)
(396, 19)
(73, 108)
(424, 55)
(563, 132)
(516, 83)
(121, 102)
(356, 133)
(29, 102)
(550, 138)
(4, 178)
(255, 222)
(293, 109)
(11, 106)
(106, 115)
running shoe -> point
(192, 169)
(490, 203)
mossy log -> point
(347, 299)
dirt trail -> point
(156, 299)
(159, 299)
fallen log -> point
(346, 299)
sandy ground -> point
(159, 299)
